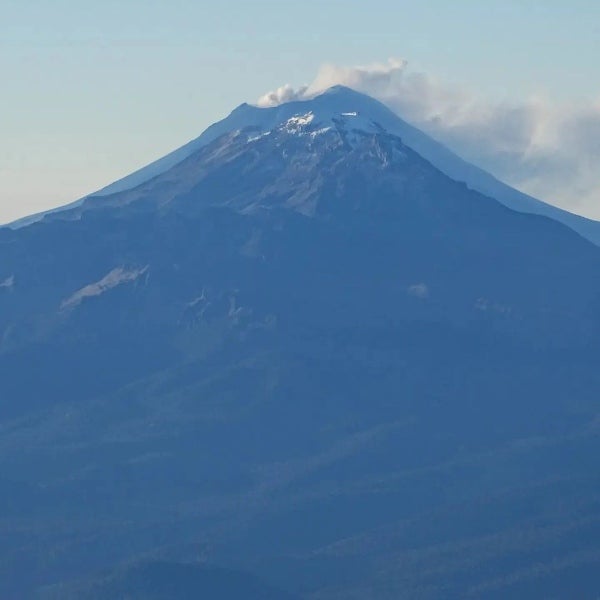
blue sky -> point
(93, 90)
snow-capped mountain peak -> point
(345, 109)
(313, 125)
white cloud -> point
(546, 149)
(285, 93)
(375, 78)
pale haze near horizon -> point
(94, 91)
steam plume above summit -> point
(544, 148)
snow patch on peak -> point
(116, 277)
(254, 138)
(302, 119)
(298, 123)
(321, 131)
(323, 119)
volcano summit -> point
(314, 346)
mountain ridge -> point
(309, 356)
(336, 100)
